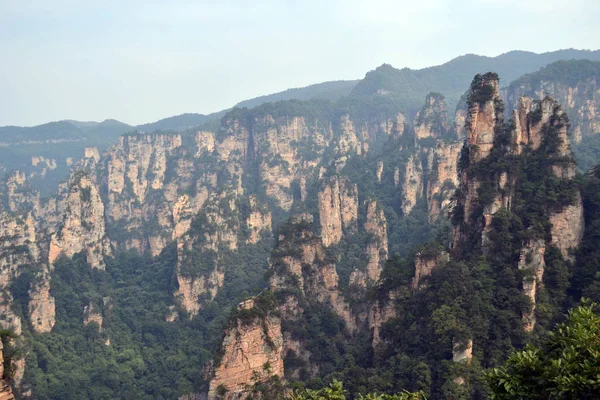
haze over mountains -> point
(405, 231)
(386, 88)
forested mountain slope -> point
(303, 239)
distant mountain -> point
(180, 122)
(332, 91)
(404, 89)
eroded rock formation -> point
(412, 186)
(338, 209)
(83, 226)
(252, 351)
(432, 120)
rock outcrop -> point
(41, 304)
(200, 271)
(443, 179)
(300, 262)
(432, 120)
(258, 221)
(20, 250)
(484, 116)
(83, 226)
(579, 95)
(568, 227)
(338, 209)
(252, 352)
(412, 185)
(532, 261)
(5, 389)
(377, 247)
(425, 263)
(92, 314)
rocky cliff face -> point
(20, 250)
(338, 209)
(532, 261)
(483, 122)
(252, 351)
(484, 116)
(83, 225)
(135, 171)
(377, 247)
(579, 96)
(258, 222)
(300, 262)
(432, 120)
(200, 271)
(5, 389)
(443, 179)
(412, 186)
(425, 263)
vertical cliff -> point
(425, 263)
(412, 185)
(443, 179)
(258, 221)
(377, 246)
(531, 260)
(301, 262)
(338, 209)
(200, 271)
(5, 389)
(252, 351)
(573, 83)
(484, 120)
(432, 120)
(83, 226)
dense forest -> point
(320, 212)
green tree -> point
(336, 391)
(565, 366)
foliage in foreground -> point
(565, 365)
(336, 391)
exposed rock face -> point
(459, 123)
(532, 260)
(192, 288)
(348, 141)
(258, 222)
(377, 248)
(199, 270)
(93, 153)
(568, 227)
(92, 314)
(484, 120)
(83, 227)
(443, 180)
(425, 263)
(412, 187)
(136, 168)
(462, 352)
(300, 262)
(279, 147)
(41, 305)
(248, 348)
(338, 209)
(18, 194)
(432, 120)
(380, 313)
(19, 249)
(379, 171)
(580, 100)
(484, 116)
(5, 389)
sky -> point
(141, 60)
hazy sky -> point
(141, 60)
